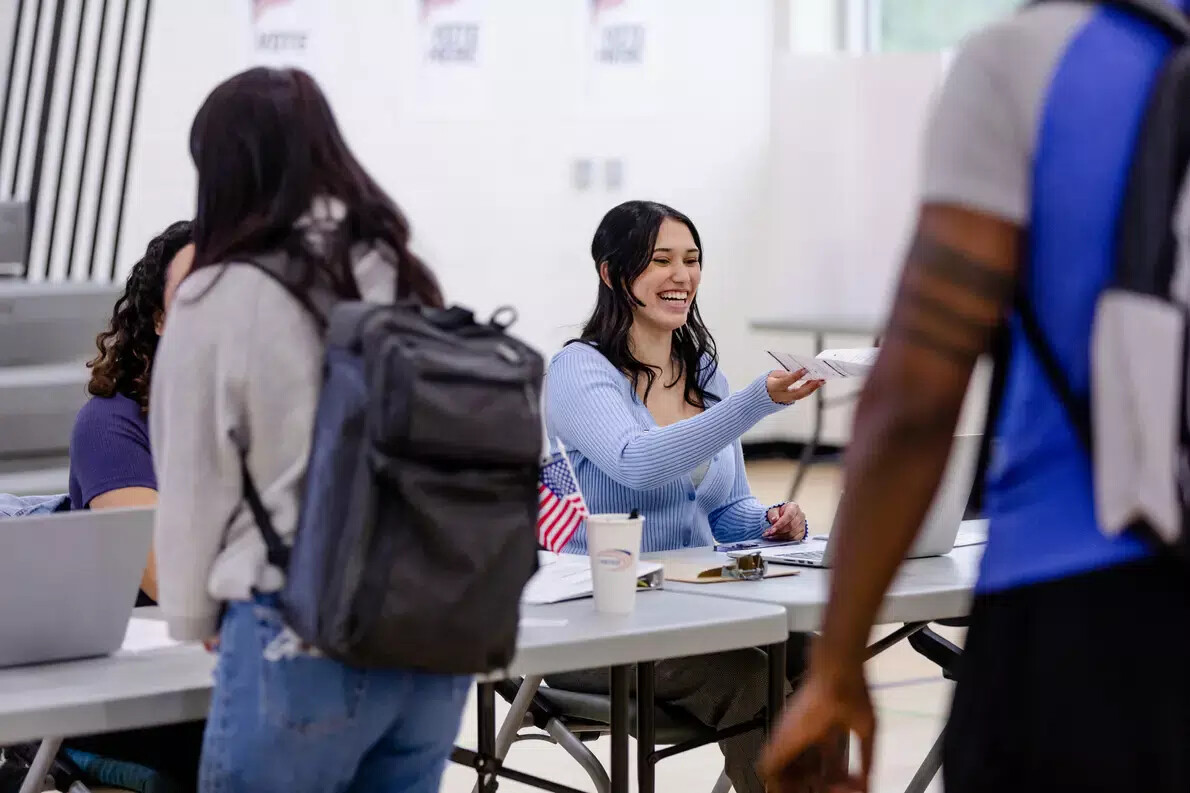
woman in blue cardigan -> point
(650, 424)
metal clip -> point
(746, 567)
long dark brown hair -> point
(625, 240)
(128, 346)
(266, 144)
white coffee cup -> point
(613, 543)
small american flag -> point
(560, 505)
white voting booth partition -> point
(847, 137)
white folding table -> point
(130, 690)
(571, 636)
(924, 591)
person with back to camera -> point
(648, 420)
(238, 378)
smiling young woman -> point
(650, 424)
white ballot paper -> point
(563, 577)
(144, 635)
(830, 364)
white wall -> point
(487, 180)
(482, 157)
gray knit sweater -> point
(239, 365)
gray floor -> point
(911, 696)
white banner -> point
(451, 79)
(288, 33)
(450, 32)
(617, 33)
(620, 72)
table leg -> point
(42, 762)
(646, 726)
(515, 720)
(621, 680)
(776, 694)
(486, 705)
(811, 447)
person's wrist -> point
(836, 660)
(771, 405)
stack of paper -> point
(830, 364)
(564, 577)
(145, 635)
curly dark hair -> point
(127, 347)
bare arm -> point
(956, 288)
(133, 497)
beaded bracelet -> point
(805, 526)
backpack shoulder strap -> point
(1001, 350)
(277, 552)
(319, 301)
(1078, 409)
(1159, 12)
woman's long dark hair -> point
(625, 240)
(127, 347)
(265, 144)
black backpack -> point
(1134, 423)
(417, 527)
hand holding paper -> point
(783, 387)
(830, 364)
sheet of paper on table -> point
(830, 364)
(144, 635)
(567, 576)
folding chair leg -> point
(928, 768)
(581, 754)
(722, 784)
(40, 767)
(516, 715)
(515, 719)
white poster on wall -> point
(451, 79)
(289, 33)
(620, 55)
(846, 158)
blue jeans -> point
(293, 722)
(22, 506)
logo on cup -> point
(614, 559)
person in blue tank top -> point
(1026, 160)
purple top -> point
(109, 449)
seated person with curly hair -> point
(111, 464)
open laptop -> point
(941, 525)
(68, 582)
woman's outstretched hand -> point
(783, 387)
